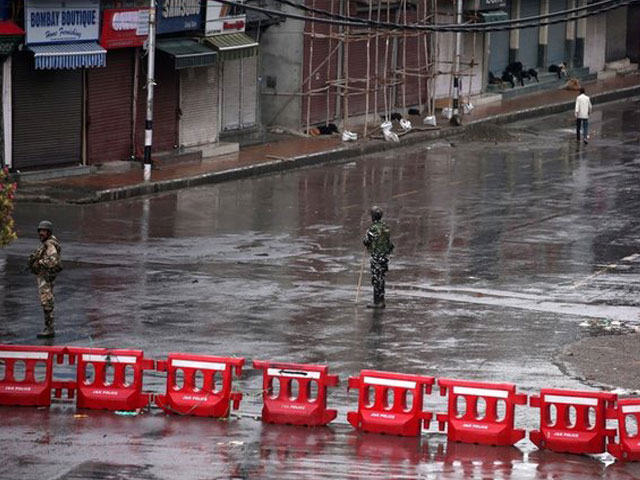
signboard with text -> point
(124, 27)
(492, 4)
(219, 20)
(482, 5)
(179, 16)
(226, 25)
(53, 21)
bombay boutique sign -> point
(54, 21)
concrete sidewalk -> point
(294, 152)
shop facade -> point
(48, 114)
(238, 68)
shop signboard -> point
(492, 4)
(483, 5)
(124, 27)
(179, 16)
(218, 19)
(53, 21)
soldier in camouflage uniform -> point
(45, 264)
(379, 245)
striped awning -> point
(187, 53)
(69, 56)
(234, 45)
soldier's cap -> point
(45, 225)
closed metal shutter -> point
(616, 46)
(499, 52)
(557, 34)
(110, 109)
(231, 88)
(322, 106)
(249, 92)
(409, 58)
(47, 115)
(357, 75)
(529, 36)
(165, 107)
(198, 106)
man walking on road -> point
(45, 263)
(379, 245)
(583, 110)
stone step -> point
(549, 83)
(543, 78)
(632, 68)
(618, 64)
(32, 176)
(607, 74)
(485, 99)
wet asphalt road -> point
(502, 251)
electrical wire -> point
(512, 21)
(490, 28)
(358, 22)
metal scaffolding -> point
(399, 63)
(388, 76)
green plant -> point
(7, 195)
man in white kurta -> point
(583, 110)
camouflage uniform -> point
(45, 264)
(379, 244)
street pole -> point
(151, 61)
(456, 119)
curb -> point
(338, 155)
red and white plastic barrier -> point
(494, 426)
(115, 382)
(579, 424)
(282, 406)
(628, 446)
(26, 375)
(402, 415)
(213, 397)
(392, 403)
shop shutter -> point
(198, 106)
(320, 111)
(616, 42)
(249, 91)
(165, 107)
(357, 52)
(47, 115)
(410, 57)
(231, 87)
(499, 52)
(557, 34)
(109, 108)
(529, 36)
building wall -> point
(282, 53)
(595, 41)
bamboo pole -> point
(404, 60)
(310, 77)
(346, 75)
(368, 81)
(328, 95)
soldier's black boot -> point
(48, 331)
(377, 302)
